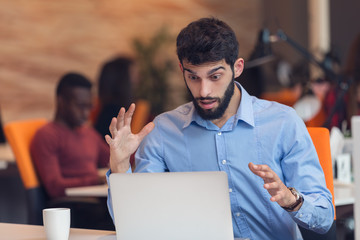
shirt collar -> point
(192, 115)
(244, 113)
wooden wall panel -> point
(41, 40)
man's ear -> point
(238, 67)
(181, 67)
(60, 102)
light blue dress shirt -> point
(261, 132)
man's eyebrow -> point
(215, 69)
(209, 72)
(189, 70)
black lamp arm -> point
(342, 82)
(282, 36)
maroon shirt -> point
(68, 158)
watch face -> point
(295, 193)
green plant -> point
(154, 69)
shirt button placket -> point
(220, 151)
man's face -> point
(76, 106)
(211, 86)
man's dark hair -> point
(207, 40)
(70, 81)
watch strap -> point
(299, 200)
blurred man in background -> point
(66, 151)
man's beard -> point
(211, 114)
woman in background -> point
(114, 91)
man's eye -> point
(215, 77)
(192, 77)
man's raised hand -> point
(123, 142)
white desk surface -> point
(6, 154)
(12, 231)
(344, 193)
(88, 191)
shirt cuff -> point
(109, 172)
(109, 202)
(307, 217)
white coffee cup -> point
(56, 223)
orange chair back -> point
(19, 135)
(321, 139)
(284, 96)
(141, 115)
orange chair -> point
(140, 118)
(321, 140)
(19, 135)
(318, 120)
(141, 115)
(284, 96)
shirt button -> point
(300, 215)
(230, 190)
(313, 226)
(237, 214)
(223, 161)
(219, 133)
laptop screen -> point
(175, 205)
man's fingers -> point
(275, 198)
(120, 118)
(261, 167)
(112, 127)
(268, 175)
(272, 182)
(253, 167)
(263, 171)
(129, 114)
(257, 167)
(278, 195)
(146, 130)
(108, 139)
(271, 185)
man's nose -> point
(205, 88)
(86, 113)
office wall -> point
(292, 18)
(41, 40)
(344, 26)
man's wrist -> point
(121, 167)
(299, 199)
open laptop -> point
(171, 206)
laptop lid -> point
(171, 205)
